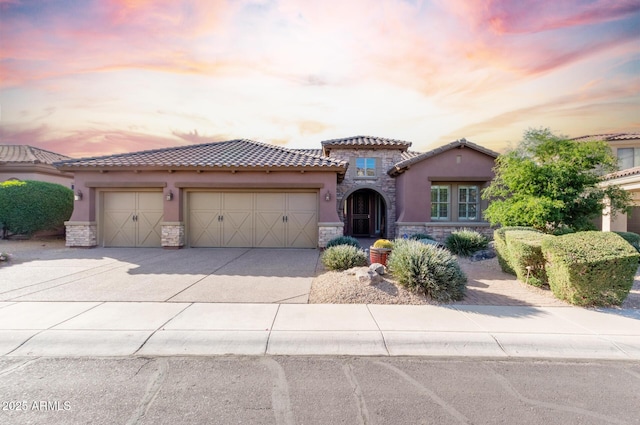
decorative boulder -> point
(378, 268)
(368, 277)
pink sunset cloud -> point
(297, 71)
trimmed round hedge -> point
(29, 206)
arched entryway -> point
(365, 212)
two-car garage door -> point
(252, 219)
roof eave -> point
(104, 168)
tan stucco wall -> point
(64, 180)
(179, 183)
(413, 187)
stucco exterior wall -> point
(41, 173)
(90, 183)
(456, 165)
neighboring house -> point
(23, 162)
(242, 193)
(626, 147)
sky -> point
(97, 77)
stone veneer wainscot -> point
(81, 233)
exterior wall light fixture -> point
(78, 195)
(169, 196)
(327, 196)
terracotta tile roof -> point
(405, 163)
(314, 152)
(230, 154)
(28, 154)
(623, 173)
(408, 155)
(610, 137)
(366, 142)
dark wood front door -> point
(361, 209)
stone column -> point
(172, 234)
(328, 231)
(83, 234)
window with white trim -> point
(439, 202)
(467, 202)
(365, 167)
(628, 158)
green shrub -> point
(500, 245)
(343, 257)
(590, 268)
(29, 206)
(525, 250)
(465, 242)
(427, 269)
(632, 238)
(419, 236)
(344, 240)
(383, 243)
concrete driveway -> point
(230, 275)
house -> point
(23, 162)
(626, 147)
(242, 193)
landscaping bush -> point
(632, 238)
(29, 206)
(419, 236)
(344, 240)
(525, 250)
(590, 268)
(427, 269)
(343, 257)
(500, 245)
(465, 242)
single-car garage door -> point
(132, 219)
(253, 219)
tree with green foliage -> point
(29, 206)
(552, 184)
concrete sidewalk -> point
(152, 328)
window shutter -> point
(352, 167)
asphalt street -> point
(317, 390)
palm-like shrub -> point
(428, 269)
(343, 257)
(344, 240)
(465, 242)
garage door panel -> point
(253, 219)
(237, 202)
(206, 201)
(204, 229)
(132, 219)
(302, 202)
(270, 229)
(237, 228)
(149, 228)
(303, 228)
(204, 219)
(302, 220)
(119, 228)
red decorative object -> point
(379, 255)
